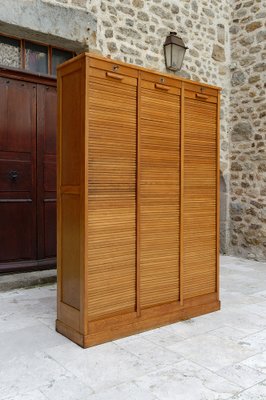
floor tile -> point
(32, 395)
(195, 326)
(258, 308)
(242, 375)
(237, 319)
(128, 391)
(229, 333)
(28, 340)
(21, 374)
(257, 392)
(164, 337)
(67, 389)
(260, 295)
(187, 381)
(212, 352)
(14, 321)
(257, 362)
(101, 367)
(257, 341)
(159, 356)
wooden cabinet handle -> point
(114, 76)
(162, 87)
(201, 96)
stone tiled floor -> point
(216, 356)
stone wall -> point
(63, 24)
(248, 129)
(135, 30)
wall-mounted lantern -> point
(174, 52)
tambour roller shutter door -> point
(112, 195)
(200, 201)
(159, 195)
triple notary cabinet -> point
(138, 201)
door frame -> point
(27, 265)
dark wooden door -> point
(17, 170)
(46, 171)
(27, 174)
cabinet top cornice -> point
(137, 68)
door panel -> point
(159, 194)
(15, 176)
(17, 170)
(112, 196)
(200, 202)
(20, 111)
(46, 170)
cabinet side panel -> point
(71, 127)
(70, 155)
(160, 196)
(70, 250)
(200, 198)
(112, 195)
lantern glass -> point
(168, 55)
(177, 57)
(174, 51)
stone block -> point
(218, 53)
(241, 131)
(253, 26)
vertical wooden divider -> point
(181, 239)
(84, 199)
(82, 263)
(138, 306)
(58, 194)
(218, 202)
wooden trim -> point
(15, 200)
(15, 73)
(84, 204)
(192, 94)
(48, 46)
(201, 88)
(129, 328)
(70, 315)
(162, 87)
(138, 216)
(66, 189)
(202, 96)
(28, 265)
(202, 299)
(160, 79)
(218, 202)
(70, 333)
(114, 76)
(182, 147)
(40, 170)
(59, 168)
(10, 36)
(154, 311)
(94, 56)
(150, 84)
(113, 67)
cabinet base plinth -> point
(138, 326)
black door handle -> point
(13, 175)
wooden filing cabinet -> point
(138, 203)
